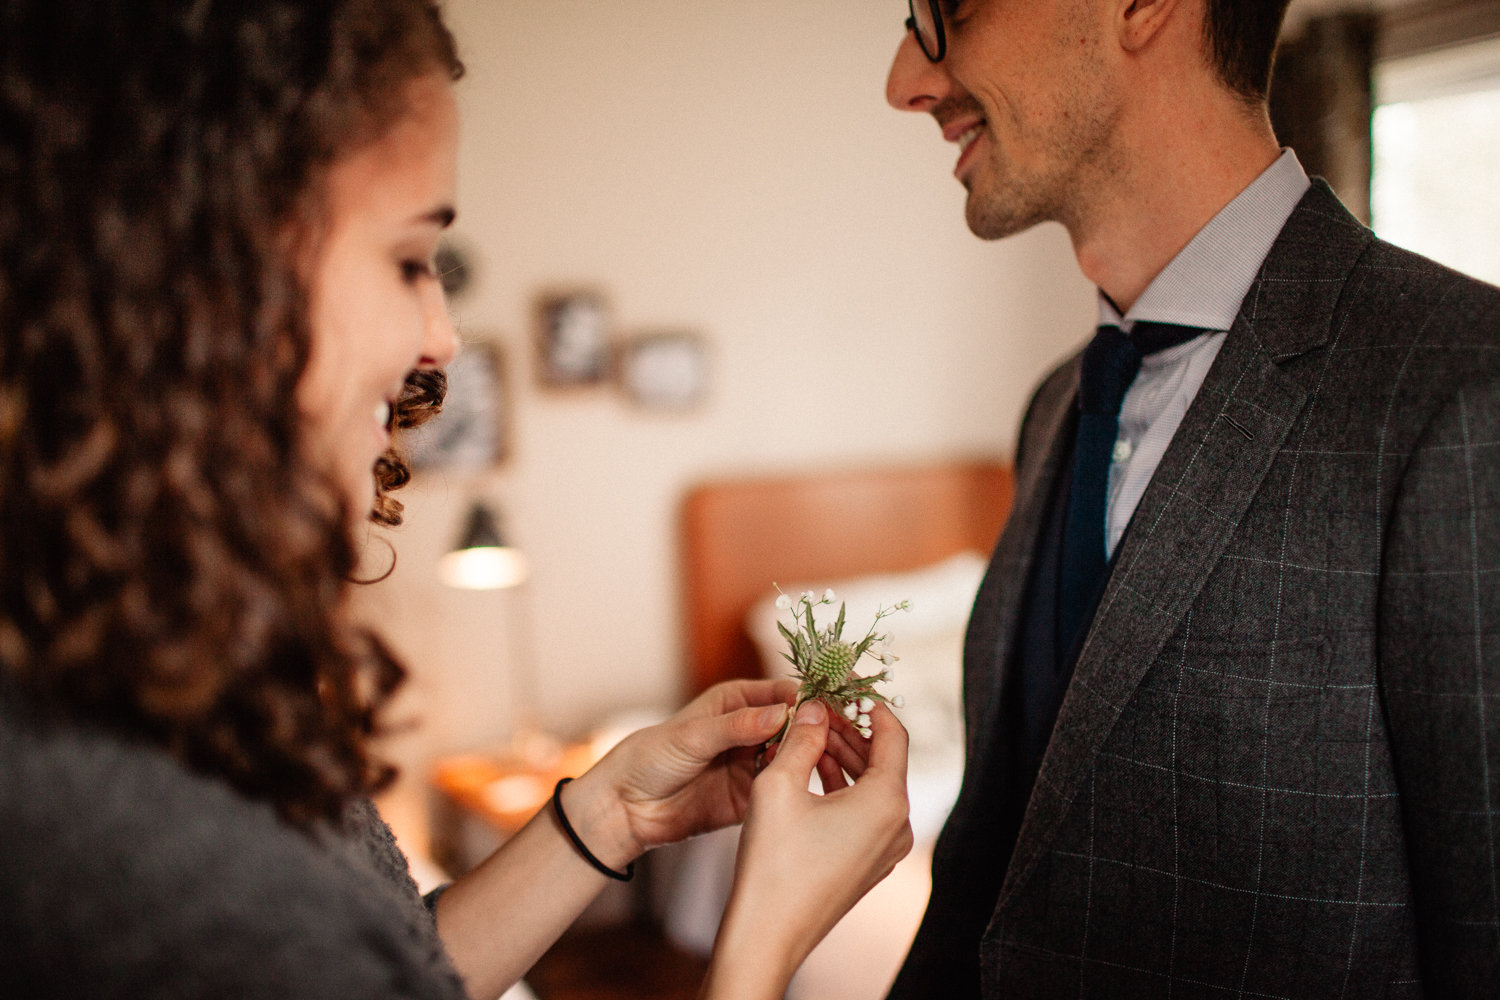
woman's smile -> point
(377, 306)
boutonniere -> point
(824, 662)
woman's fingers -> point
(849, 750)
(731, 696)
(831, 774)
(848, 757)
(888, 742)
(705, 737)
(803, 747)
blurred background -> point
(696, 248)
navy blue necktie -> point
(1110, 363)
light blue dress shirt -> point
(1203, 286)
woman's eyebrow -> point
(442, 216)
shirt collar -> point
(1207, 281)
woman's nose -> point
(915, 82)
(439, 338)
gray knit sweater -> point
(123, 875)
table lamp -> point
(482, 560)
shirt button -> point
(1123, 451)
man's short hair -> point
(1242, 43)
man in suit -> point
(1232, 683)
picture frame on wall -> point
(573, 339)
(665, 370)
(473, 431)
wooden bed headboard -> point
(740, 536)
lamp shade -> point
(481, 560)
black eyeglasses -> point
(926, 22)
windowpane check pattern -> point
(1277, 769)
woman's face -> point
(376, 306)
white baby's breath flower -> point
(863, 722)
(888, 674)
(828, 596)
(864, 732)
(898, 701)
(807, 596)
(851, 711)
(783, 602)
(867, 705)
(887, 659)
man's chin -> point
(1001, 204)
(989, 221)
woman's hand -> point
(805, 859)
(689, 775)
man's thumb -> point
(805, 741)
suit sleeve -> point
(1440, 679)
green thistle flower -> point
(824, 662)
(831, 666)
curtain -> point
(1321, 102)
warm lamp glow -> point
(517, 793)
(488, 568)
(482, 560)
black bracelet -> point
(588, 855)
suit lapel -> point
(1197, 498)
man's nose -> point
(916, 83)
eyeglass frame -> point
(938, 27)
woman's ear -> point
(1138, 22)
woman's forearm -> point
(804, 859)
(750, 962)
(497, 920)
(662, 784)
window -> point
(1436, 137)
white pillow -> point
(928, 641)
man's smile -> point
(965, 132)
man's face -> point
(1026, 93)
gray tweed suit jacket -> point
(1276, 772)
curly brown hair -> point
(172, 566)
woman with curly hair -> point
(217, 304)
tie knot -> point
(1110, 363)
(1113, 360)
(1149, 337)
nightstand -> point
(484, 799)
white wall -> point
(732, 168)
